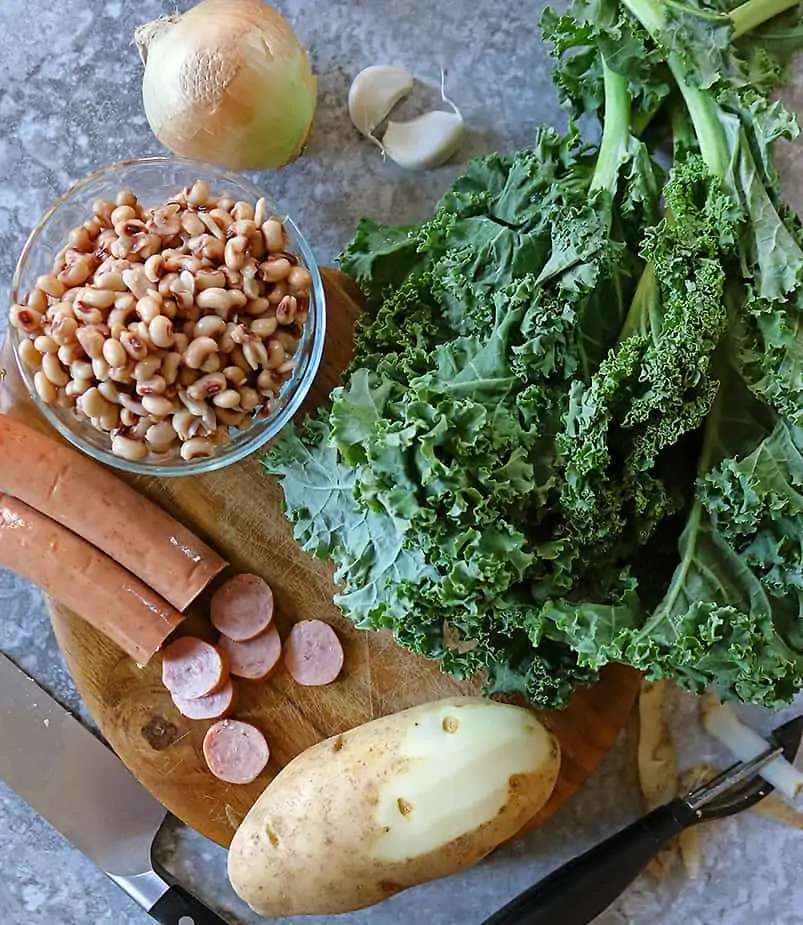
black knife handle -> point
(578, 892)
(178, 907)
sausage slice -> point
(255, 658)
(235, 752)
(213, 706)
(242, 608)
(313, 654)
(193, 668)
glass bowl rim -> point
(301, 387)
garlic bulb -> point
(374, 92)
(228, 82)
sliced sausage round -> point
(235, 752)
(193, 668)
(213, 706)
(243, 607)
(313, 654)
(255, 658)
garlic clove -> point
(425, 142)
(374, 92)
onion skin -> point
(228, 82)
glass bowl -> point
(153, 181)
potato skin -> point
(313, 842)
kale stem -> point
(615, 133)
(755, 13)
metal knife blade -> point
(82, 789)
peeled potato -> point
(398, 801)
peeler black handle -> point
(578, 892)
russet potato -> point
(403, 799)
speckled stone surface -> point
(69, 103)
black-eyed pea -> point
(170, 367)
(134, 344)
(154, 267)
(198, 193)
(277, 292)
(154, 386)
(90, 338)
(92, 403)
(258, 306)
(52, 286)
(86, 314)
(146, 369)
(125, 302)
(195, 407)
(69, 353)
(209, 326)
(38, 300)
(126, 448)
(198, 350)
(114, 353)
(45, 389)
(75, 388)
(121, 247)
(243, 211)
(126, 198)
(273, 233)
(100, 369)
(192, 224)
(26, 319)
(288, 340)
(234, 375)
(229, 418)
(264, 327)
(249, 398)
(170, 308)
(211, 364)
(256, 354)
(111, 281)
(227, 399)
(213, 299)
(252, 288)
(180, 343)
(63, 400)
(183, 423)
(137, 282)
(65, 308)
(286, 368)
(207, 386)
(299, 280)
(158, 406)
(268, 382)
(276, 354)
(167, 282)
(81, 369)
(286, 310)
(122, 374)
(128, 418)
(80, 239)
(29, 355)
(160, 332)
(234, 279)
(148, 308)
(102, 210)
(54, 371)
(123, 213)
(236, 252)
(110, 419)
(260, 212)
(160, 436)
(237, 358)
(109, 391)
(46, 344)
(197, 448)
(103, 299)
(126, 401)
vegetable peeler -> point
(577, 892)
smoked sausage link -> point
(84, 579)
(86, 498)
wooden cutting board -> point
(238, 511)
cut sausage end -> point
(193, 668)
(255, 658)
(213, 706)
(242, 608)
(313, 654)
(235, 752)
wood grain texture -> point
(238, 511)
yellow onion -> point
(228, 82)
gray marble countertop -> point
(70, 103)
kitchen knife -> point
(82, 789)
